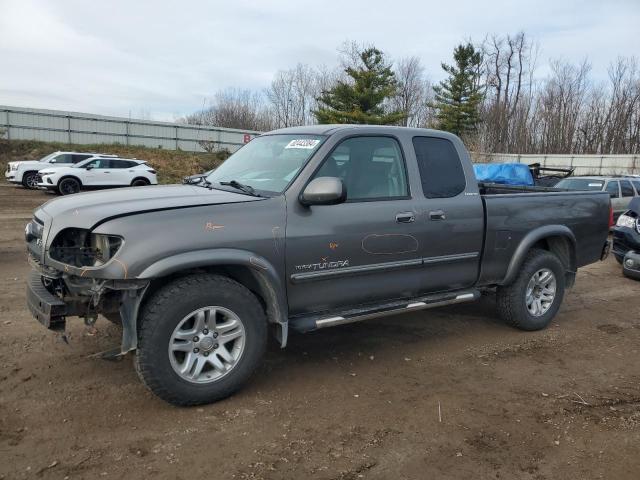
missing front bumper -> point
(48, 309)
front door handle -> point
(405, 217)
(437, 215)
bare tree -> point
(233, 108)
(411, 95)
(292, 96)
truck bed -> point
(513, 212)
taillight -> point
(154, 172)
(611, 222)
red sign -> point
(247, 138)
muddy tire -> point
(199, 340)
(533, 299)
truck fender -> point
(264, 273)
(533, 237)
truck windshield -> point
(267, 163)
(580, 184)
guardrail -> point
(81, 128)
(583, 164)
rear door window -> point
(627, 189)
(78, 158)
(63, 158)
(636, 183)
(613, 189)
(440, 167)
(117, 163)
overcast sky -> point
(162, 58)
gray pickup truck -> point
(303, 228)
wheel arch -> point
(145, 179)
(250, 270)
(64, 177)
(557, 239)
(27, 172)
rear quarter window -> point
(627, 189)
(441, 172)
(613, 189)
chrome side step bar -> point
(309, 323)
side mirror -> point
(324, 191)
(613, 195)
(53, 161)
(89, 167)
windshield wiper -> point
(248, 189)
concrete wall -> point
(84, 128)
(583, 164)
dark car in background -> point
(626, 239)
(621, 189)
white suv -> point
(97, 172)
(25, 172)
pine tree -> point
(457, 98)
(361, 100)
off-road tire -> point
(28, 178)
(511, 299)
(162, 313)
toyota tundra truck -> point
(303, 228)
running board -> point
(306, 324)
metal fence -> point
(84, 128)
(583, 164)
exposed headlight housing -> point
(81, 248)
(15, 166)
(625, 220)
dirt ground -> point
(447, 393)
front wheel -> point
(533, 299)
(68, 186)
(200, 339)
(30, 180)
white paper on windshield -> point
(307, 143)
(595, 184)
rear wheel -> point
(533, 299)
(139, 182)
(200, 339)
(30, 180)
(68, 186)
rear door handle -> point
(405, 217)
(437, 215)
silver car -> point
(621, 189)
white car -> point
(98, 172)
(25, 172)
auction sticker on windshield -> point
(307, 143)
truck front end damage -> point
(68, 280)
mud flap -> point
(129, 307)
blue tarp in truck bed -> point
(504, 173)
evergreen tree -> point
(361, 100)
(457, 98)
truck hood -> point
(30, 163)
(85, 210)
